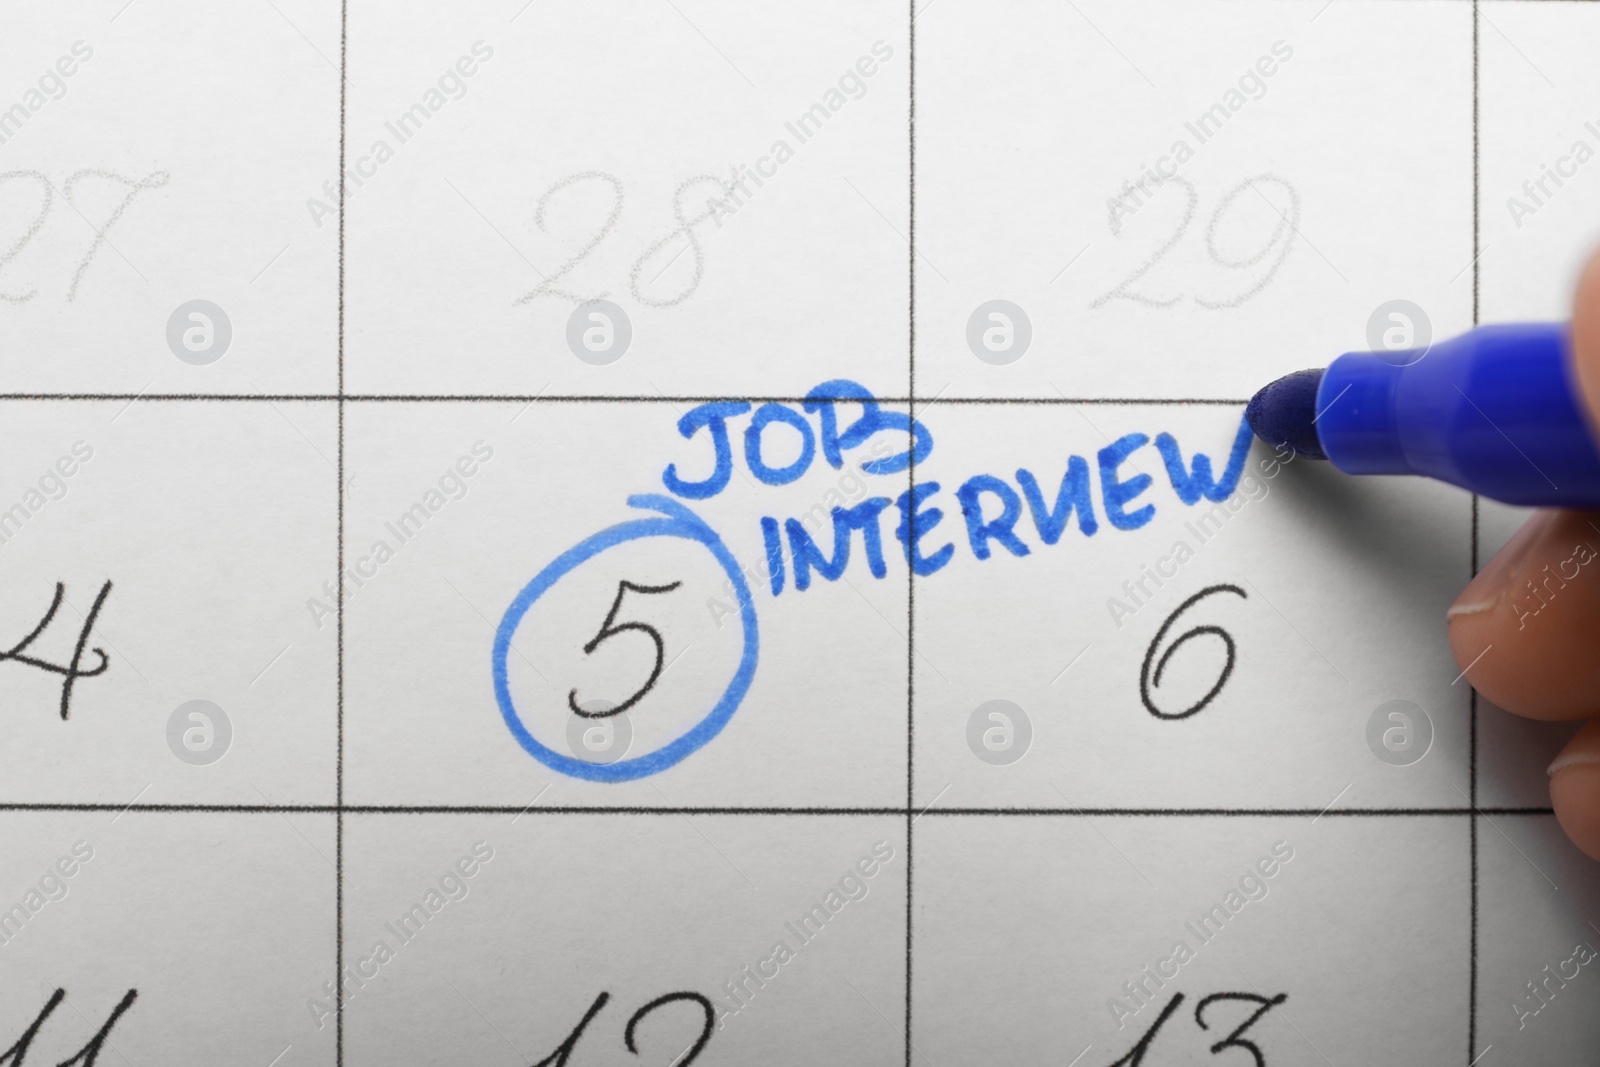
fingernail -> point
(1488, 589)
(1580, 758)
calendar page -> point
(539, 532)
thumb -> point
(1524, 630)
(1575, 789)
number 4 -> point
(72, 671)
(607, 630)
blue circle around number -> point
(679, 521)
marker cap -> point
(1356, 415)
(1494, 410)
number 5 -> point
(608, 630)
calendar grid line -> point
(653, 398)
(1472, 698)
(911, 489)
(1394, 864)
(1472, 954)
(339, 807)
(338, 973)
(875, 812)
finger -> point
(1575, 789)
(1524, 630)
(1586, 337)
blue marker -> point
(1495, 411)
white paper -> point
(349, 505)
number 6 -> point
(1146, 682)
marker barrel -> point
(1495, 411)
